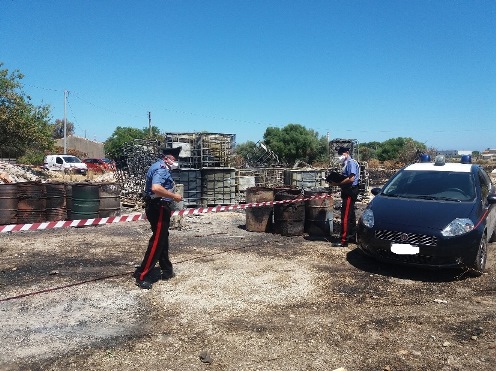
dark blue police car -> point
(433, 214)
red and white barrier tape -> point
(142, 216)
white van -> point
(66, 163)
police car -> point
(432, 214)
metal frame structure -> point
(202, 150)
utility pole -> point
(150, 124)
(328, 146)
(65, 121)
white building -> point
(489, 154)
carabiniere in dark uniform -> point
(349, 195)
(159, 193)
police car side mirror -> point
(375, 191)
(491, 199)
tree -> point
(368, 151)
(294, 142)
(24, 127)
(247, 153)
(400, 149)
(323, 151)
(58, 129)
(411, 151)
(115, 144)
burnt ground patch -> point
(251, 300)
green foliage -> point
(322, 151)
(368, 151)
(399, 149)
(58, 129)
(31, 157)
(390, 149)
(115, 144)
(155, 133)
(294, 142)
(247, 152)
(23, 126)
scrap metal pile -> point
(198, 151)
(201, 150)
(139, 154)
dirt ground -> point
(240, 301)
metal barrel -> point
(31, 202)
(8, 203)
(110, 200)
(289, 218)
(318, 213)
(85, 201)
(259, 219)
(55, 209)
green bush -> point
(32, 157)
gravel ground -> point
(240, 301)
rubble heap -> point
(19, 173)
(10, 173)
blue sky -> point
(368, 70)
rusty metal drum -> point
(110, 200)
(31, 202)
(55, 202)
(8, 203)
(289, 218)
(318, 212)
(259, 219)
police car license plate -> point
(404, 249)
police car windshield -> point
(432, 185)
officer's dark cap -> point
(172, 151)
(342, 150)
